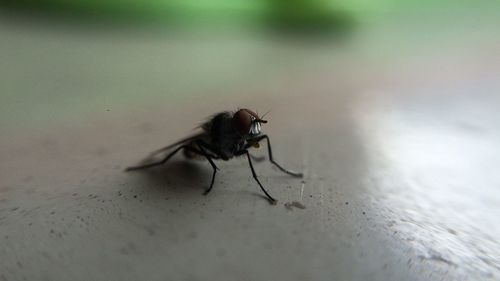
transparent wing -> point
(177, 143)
(153, 155)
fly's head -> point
(248, 124)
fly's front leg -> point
(270, 152)
(271, 199)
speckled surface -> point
(399, 159)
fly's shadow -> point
(178, 175)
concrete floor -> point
(398, 143)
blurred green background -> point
(322, 15)
(304, 16)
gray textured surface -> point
(399, 158)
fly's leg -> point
(270, 152)
(213, 166)
(202, 152)
(271, 199)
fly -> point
(225, 135)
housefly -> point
(225, 135)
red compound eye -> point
(251, 113)
(242, 120)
